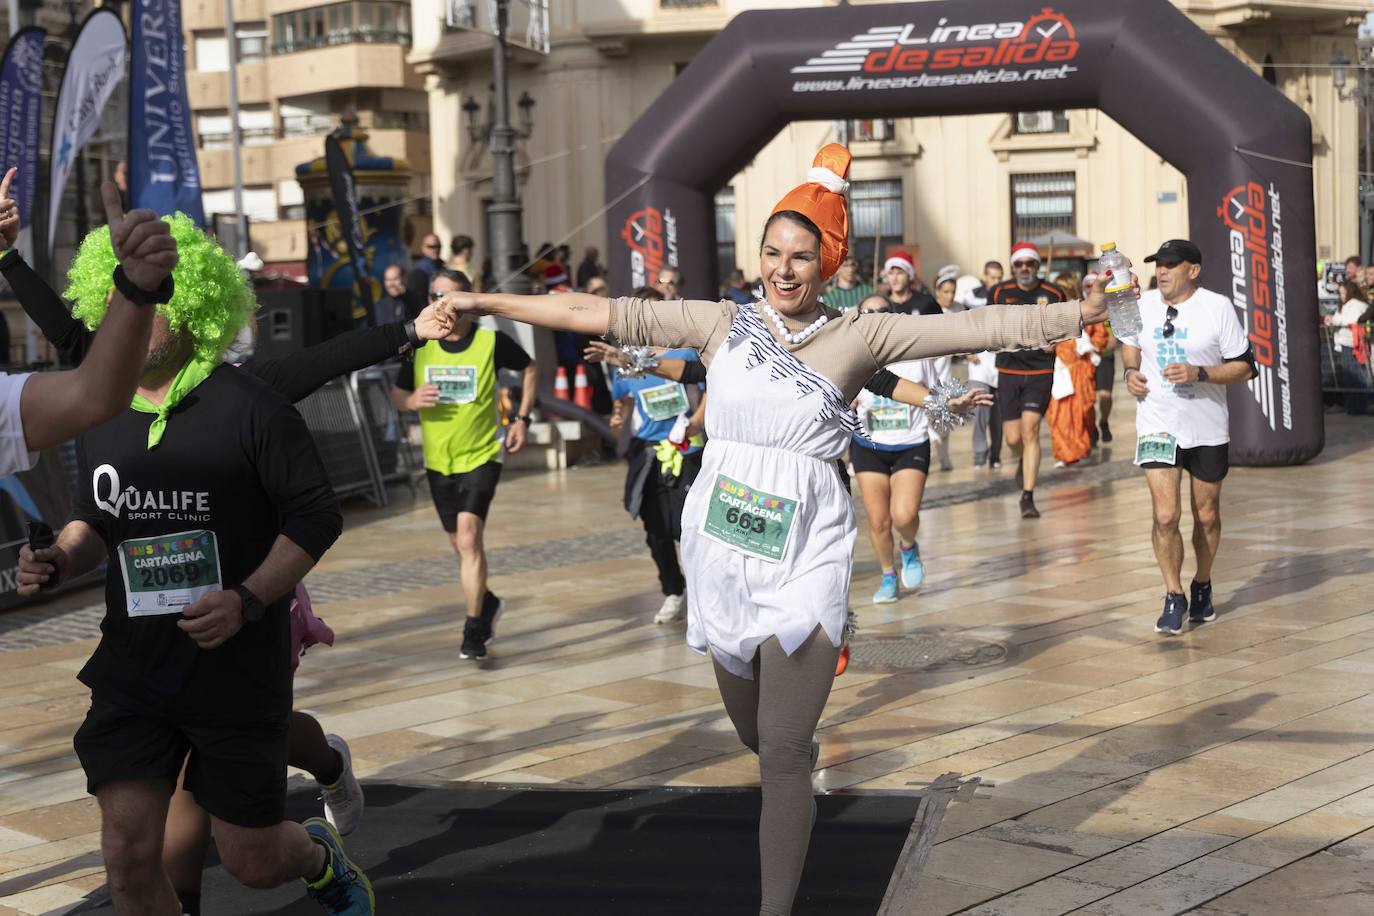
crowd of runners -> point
(201, 491)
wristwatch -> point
(140, 296)
(413, 341)
(253, 608)
(1126, 372)
(524, 416)
(1202, 373)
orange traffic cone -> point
(560, 384)
(582, 392)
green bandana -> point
(191, 375)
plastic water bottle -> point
(1123, 304)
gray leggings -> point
(775, 714)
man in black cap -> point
(1190, 346)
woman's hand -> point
(460, 304)
(964, 403)
(598, 351)
(1094, 305)
(435, 322)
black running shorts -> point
(237, 772)
(1019, 393)
(469, 492)
(878, 461)
(1208, 463)
(1105, 374)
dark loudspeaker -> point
(293, 319)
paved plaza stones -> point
(1229, 770)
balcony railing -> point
(348, 37)
(314, 125)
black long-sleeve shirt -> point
(236, 467)
(294, 377)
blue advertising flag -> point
(21, 110)
(163, 174)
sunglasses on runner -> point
(1031, 264)
(1169, 315)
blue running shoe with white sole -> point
(913, 570)
(1170, 623)
(344, 890)
(1200, 609)
(887, 592)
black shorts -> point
(1105, 376)
(1208, 463)
(236, 772)
(1019, 393)
(878, 461)
(472, 492)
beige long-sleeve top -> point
(851, 346)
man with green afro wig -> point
(212, 301)
(207, 501)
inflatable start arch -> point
(1246, 150)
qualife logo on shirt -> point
(151, 505)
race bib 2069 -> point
(163, 574)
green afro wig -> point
(213, 301)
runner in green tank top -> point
(452, 383)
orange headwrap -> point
(821, 200)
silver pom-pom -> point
(938, 414)
(851, 624)
(640, 361)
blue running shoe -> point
(1170, 623)
(344, 890)
(887, 592)
(913, 570)
(1200, 609)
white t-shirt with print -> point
(14, 450)
(891, 423)
(1206, 333)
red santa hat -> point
(555, 275)
(1025, 251)
(901, 260)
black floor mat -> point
(486, 851)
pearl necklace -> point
(787, 335)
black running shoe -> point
(1170, 623)
(492, 607)
(1106, 432)
(1028, 509)
(474, 639)
(1200, 608)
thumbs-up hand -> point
(142, 242)
(9, 211)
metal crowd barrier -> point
(340, 426)
(1342, 371)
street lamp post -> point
(507, 241)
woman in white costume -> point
(768, 529)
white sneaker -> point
(674, 608)
(343, 801)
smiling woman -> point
(768, 530)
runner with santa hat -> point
(1025, 377)
(900, 272)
